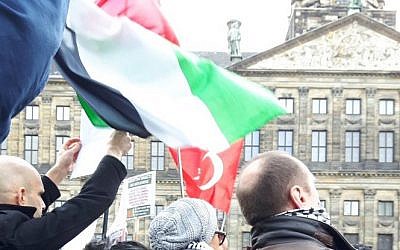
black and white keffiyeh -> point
(318, 214)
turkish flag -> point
(210, 176)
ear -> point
(21, 196)
(296, 196)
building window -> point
(3, 147)
(385, 208)
(318, 146)
(246, 240)
(353, 106)
(352, 147)
(322, 203)
(386, 146)
(159, 208)
(32, 112)
(351, 208)
(319, 106)
(60, 140)
(157, 155)
(288, 103)
(385, 241)
(128, 159)
(129, 237)
(386, 107)
(353, 238)
(251, 145)
(31, 149)
(62, 113)
(285, 141)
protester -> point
(187, 223)
(23, 196)
(278, 198)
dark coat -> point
(292, 232)
(19, 230)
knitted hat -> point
(184, 221)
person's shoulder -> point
(298, 245)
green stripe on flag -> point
(237, 105)
(94, 118)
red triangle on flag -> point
(210, 176)
(144, 12)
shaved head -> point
(265, 185)
(19, 178)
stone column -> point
(370, 135)
(303, 145)
(335, 207)
(337, 133)
(369, 211)
(46, 155)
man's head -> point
(20, 184)
(275, 182)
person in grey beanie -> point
(187, 223)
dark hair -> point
(96, 245)
(267, 193)
(129, 245)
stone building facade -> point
(340, 83)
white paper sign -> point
(141, 195)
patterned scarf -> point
(319, 214)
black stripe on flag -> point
(117, 111)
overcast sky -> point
(201, 24)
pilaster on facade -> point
(369, 194)
(303, 123)
(371, 92)
(370, 125)
(337, 126)
(335, 196)
(369, 218)
(337, 92)
(303, 91)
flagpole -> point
(223, 221)
(105, 223)
(180, 171)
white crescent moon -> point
(218, 170)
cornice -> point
(358, 173)
(299, 72)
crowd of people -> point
(276, 193)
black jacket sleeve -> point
(59, 226)
(51, 192)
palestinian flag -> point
(131, 79)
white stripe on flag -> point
(93, 149)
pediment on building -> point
(353, 43)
